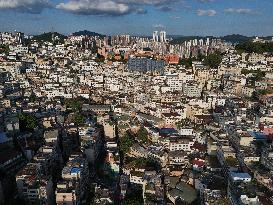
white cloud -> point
(94, 7)
(111, 7)
(209, 12)
(175, 17)
(159, 26)
(141, 11)
(29, 6)
(206, 1)
(240, 11)
(148, 2)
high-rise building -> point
(201, 42)
(195, 42)
(145, 65)
(163, 36)
(155, 36)
(208, 42)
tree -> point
(147, 49)
(32, 97)
(213, 60)
(100, 58)
(264, 92)
(255, 47)
(133, 196)
(186, 62)
(257, 93)
(48, 37)
(125, 143)
(245, 71)
(257, 75)
(183, 123)
(142, 135)
(200, 56)
(4, 49)
(94, 48)
(79, 118)
(74, 104)
(27, 122)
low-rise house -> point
(180, 192)
(33, 187)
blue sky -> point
(139, 17)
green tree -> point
(74, 104)
(47, 37)
(213, 60)
(94, 48)
(255, 47)
(245, 71)
(32, 97)
(133, 196)
(100, 58)
(142, 135)
(200, 56)
(125, 143)
(264, 92)
(27, 122)
(187, 62)
(183, 123)
(79, 118)
(4, 49)
(256, 94)
(257, 75)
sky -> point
(139, 17)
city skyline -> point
(136, 102)
(110, 17)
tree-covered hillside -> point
(251, 47)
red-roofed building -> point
(198, 164)
(266, 129)
(172, 59)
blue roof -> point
(75, 170)
(168, 131)
(240, 175)
(258, 135)
(3, 137)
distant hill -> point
(256, 47)
(87, 33)
(234, 38)
(268, 37)
(181, 39)
(48, 37)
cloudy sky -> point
(139, 17)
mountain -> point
(255, 47)
(236, 38)
(48, 37)
(87, 33)
(268, 38)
